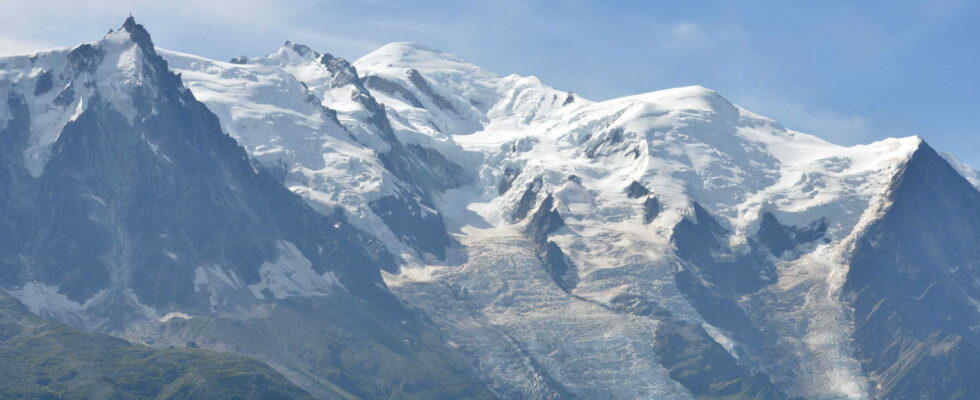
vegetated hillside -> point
(46, 360)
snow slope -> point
(439, 95)
(522, 141)
(684, 145)
(305, 115)
(282, 124)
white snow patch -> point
(721, 338)
(174, 315)
(216, 283)
(47, 300)
(292, 275)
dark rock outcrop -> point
(419, 81)
(510, 174)
(651, 209)
(375, 82)
(545, 221)
(779, 238)
(913, 286)
(528, 199)
(636, 190)
(421, 228)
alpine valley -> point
(411, 226)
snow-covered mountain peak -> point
(440, 69)
(440, 94)
(283, 122)
(288, 54)
(126, 49)
(125, 53)
(685, 145)
(417, 56)
(695, 98)
(137, 33)
(109, 125)
(58, 85)
(301, 49)
(629, 178)
(322, 72)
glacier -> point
(686, 144)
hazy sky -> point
(848, 71)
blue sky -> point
(850, 72)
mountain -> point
(144, 171)
(691, 235)
(127, 210)
(914, 288)
(349, 159)
(46, 360)
(410, 225)
(729, 236)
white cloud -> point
(687, 34)
(971, 174)
(30, 13)
(351, 42)
(690, 36)
(832, 125)
(69, 22)
(10, 46)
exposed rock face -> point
(418, 224)
(779, 238)
(914, 288)
(636, 190)
(545, 221)
(393, 88)
(651, 209)
(416, 78)
(142, 207)
(138, 204)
